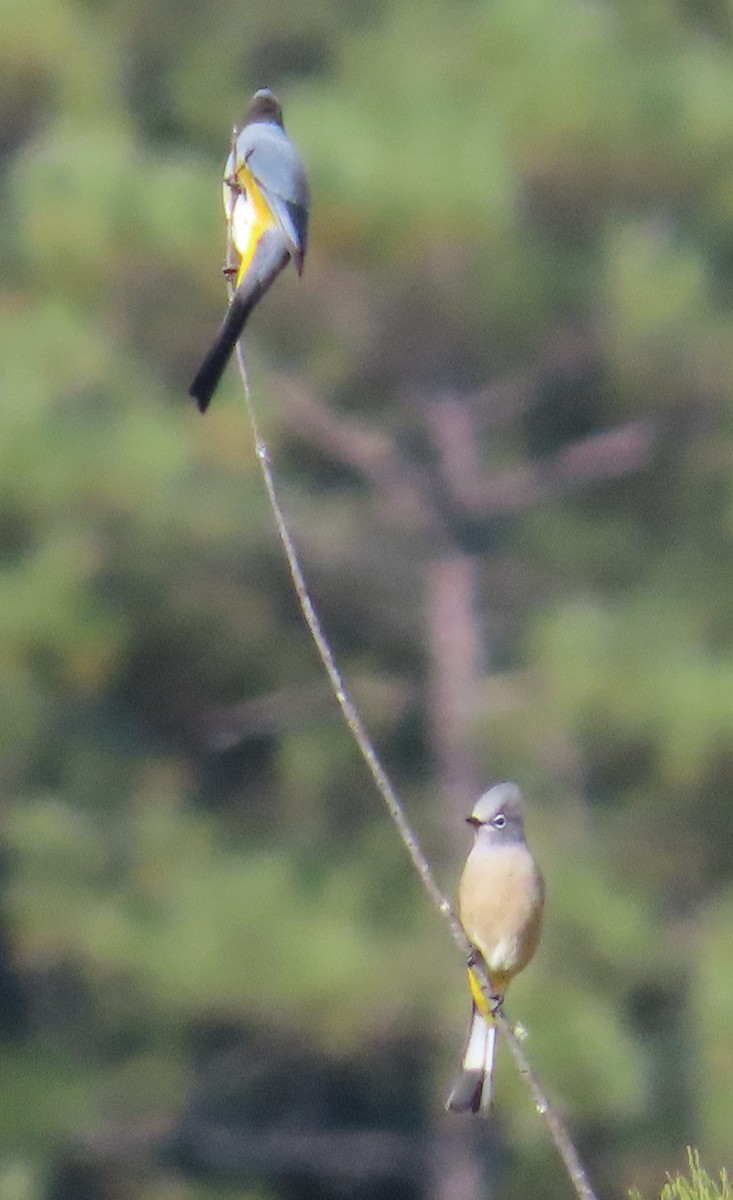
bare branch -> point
(593, 459)
(559, 1132)
(452, 422)
(342, 1157)
(291, 708)
(373, 456)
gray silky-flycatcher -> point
(266, 203)
(500, 900)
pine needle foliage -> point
(698, 1185)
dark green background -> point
(216, 966)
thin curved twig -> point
(558, 1130)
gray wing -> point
(277, 167)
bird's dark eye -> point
(499, 821)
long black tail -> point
(270, 257)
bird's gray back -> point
(274, 162)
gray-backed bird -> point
(266, 203)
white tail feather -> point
(473, 1086)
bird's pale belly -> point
(500, 898)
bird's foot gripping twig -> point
(475, 960)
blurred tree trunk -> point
(454, 652)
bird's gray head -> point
(264, 106)
(498, 814)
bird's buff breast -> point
(501, 895)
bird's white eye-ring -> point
(499, 821)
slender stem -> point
(556, 1125)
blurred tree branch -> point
(292, 708)
(451, 494)
(558, 1130)
(343, 1157)
(453, 428)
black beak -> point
(473, 821)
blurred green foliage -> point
(182, 870)
(697, 1185)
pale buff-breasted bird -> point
(501, 895)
